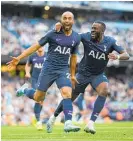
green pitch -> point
(118, 131)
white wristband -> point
(118, 57)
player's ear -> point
(73, 21)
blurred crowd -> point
(19, 33)
(19, 110)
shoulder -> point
(86, 35)
(50, 32)
(110, 39)
(76, 36)
(45, 55)
(75, 33)
(30, 58)
(33, 55)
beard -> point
(67, 27)
(95, 36)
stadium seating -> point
(27, 31)
(120, 99)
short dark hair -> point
(102, 23)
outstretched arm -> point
(27, 52)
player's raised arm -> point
(30, 50)
(27, 52)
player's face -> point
(40, 49)
(67, 21)
(96, 31)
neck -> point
(41, 53)
(67, 33)
(100, 38)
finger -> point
(8, 62)
(9, 67)
(12, 57)
(110, 58)
(110, 55)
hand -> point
(41, 103)
(112, 56)
(27, 75)
(58, 26)
(13, 63)
(74, 81)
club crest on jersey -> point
(97, 55)
(62, 50)
(73, 43)
(105, 48)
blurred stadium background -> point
(24, 22)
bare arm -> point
(27, 70)
(29, 51)
(122, 56)
(73, 63)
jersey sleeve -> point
(45, 39)
(85, 36)
(29, 60)
(116, 47)
(81, 36)
(75, 48)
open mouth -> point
(93, 34)
(67, 25)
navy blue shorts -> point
(34, 82)
(93, 80)
(46, 79)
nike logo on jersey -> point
(62, 50)
(34, 59)
(97, 55)
(58, 39)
